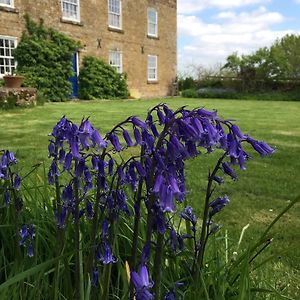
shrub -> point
(190, 93)
(44, 57)
(98, 80)
(186, 83)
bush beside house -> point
(98, 80)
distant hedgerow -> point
(98, 80)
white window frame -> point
(151, 68)
(117, 67)
(10, 38)
(149, 22)
(11, 4)
(114, 14)
(64, 14)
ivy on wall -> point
(44, 57)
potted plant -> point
(13, 81)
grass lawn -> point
(261, 192)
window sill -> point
(153, 37)
(73, 22)
(152, 82)
(9, 9)
(114, 29)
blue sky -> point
(210, 30)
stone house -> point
(137, 37)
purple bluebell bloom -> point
(261, 147)
(115, 142)
(11, 157)
(68, 161)
(51, 149)
(106, 256)
(137, 136)
(218, 179)
(17, 182)
(95, 277)
(127, 138)
(161, 117)
(110, 166)
(188, 215)
(29, 251)
(139, 123)
(237, 131)
(142, 284)
(173, 240)
(227, 170)
(98, 140)
(207, 114)
(6, 197)
(145, 256)
(89, 209)
(166, 199)
(105, 226)
(61, 218)
(80, 168)
(218, 204)
(95, 162)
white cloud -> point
(192, 6)
(209, 43)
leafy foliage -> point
(98, 80)
(44, 58)
(267, 65)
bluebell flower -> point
(142, 284)
(166, 199)
(115, 142)
(137, 136)
(173, 240)
(95, 277)
(110, 166)
(218, 204)
(80, 168)
(89, 209)
(68, 161)
(145, 256)
(61, 218)
(51, 149)
(6, 197)
(237, 131)
(218, 179)
(95, 162)
(61, 155)
(11, 157)
(139, 123)
(154, 130)
(228, 170)
(98, 140)
(207, 114)
(127, 138)
(105, 225)
(161, 117)
(29, 251)
(17, 182)
(188, 215)
(260, 147)
(106, 256)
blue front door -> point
(74, 78)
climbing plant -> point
(44, 57)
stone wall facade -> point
(98, 38)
